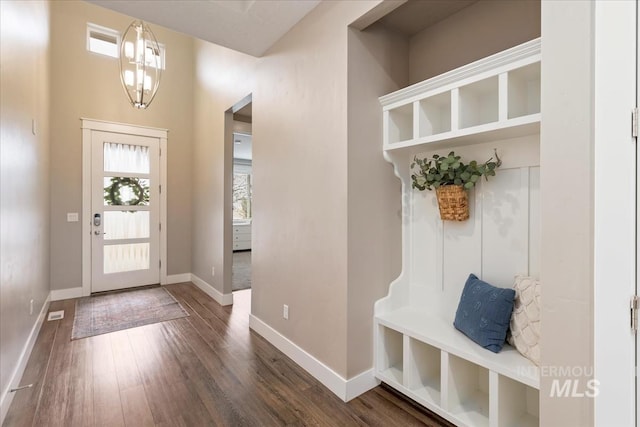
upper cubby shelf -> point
(496, 97)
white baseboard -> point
(360, 384)
(178, 278)
(6, 398)
(344, 389)
(60, 294)
(222, 299)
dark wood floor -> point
(205, 369)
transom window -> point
(106, 41)
(103, 40)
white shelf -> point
(525, 421)
(392, 375)
(428, 393)
(517, 404)
(439, 333)
(474, 411)
(494, 98)
(434, 115)
(401, 124)
(391, 355)
(512, 128)
(478, 103)
(524, 91)
(423, 371)
(496, 102)
(468, 397)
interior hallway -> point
(205, 369)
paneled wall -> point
(500, 239)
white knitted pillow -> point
(525, 319)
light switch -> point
(72, 216)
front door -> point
(125, 211)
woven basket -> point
(453, 202)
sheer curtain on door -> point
(125, 161)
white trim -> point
(60, 294)
(88, 126)
(105, 126)
(86, 209)
(6, 398)
(222, 299)
(178, 278)
(344, 389)
(163, 210)
(614, 201)
(360, 384)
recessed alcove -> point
(491, 104)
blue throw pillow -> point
(484, 312)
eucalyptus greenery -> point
(139, 189)
(450, 170)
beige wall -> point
(222, 78)
(477, 31)
(377, 65)
(300, 183)
(326, 243)
(567, 216)
(24, 180)
(87, 85)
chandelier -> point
(140, 64)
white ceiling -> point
(249, 26)
(416, 15)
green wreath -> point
(112, 192)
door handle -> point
(97, 232)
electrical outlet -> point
(213, 271)
(285, 311)
(31, 308)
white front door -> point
(125, 210)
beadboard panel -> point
(505, 223)
(500, 239)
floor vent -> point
(56, 315)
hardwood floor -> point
(207, 369)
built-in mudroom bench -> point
(491, 104)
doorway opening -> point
(241, 197)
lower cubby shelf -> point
(392, 374)
(391, 355)
(517, 404)
(423, 371)
(468, 392)
(455, 385)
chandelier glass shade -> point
(140, 64)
